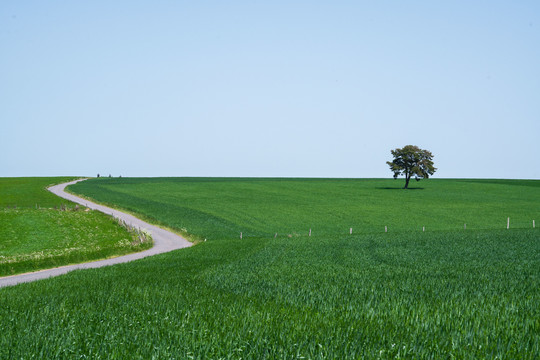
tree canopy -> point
(411, 160)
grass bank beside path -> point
(40, 230)
(31, 192)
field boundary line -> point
(163, 241)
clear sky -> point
(268, 88)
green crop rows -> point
(222, 208)
(40, 230)
(436, 294)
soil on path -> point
(164, 241)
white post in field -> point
(350, 231)
(508, 223)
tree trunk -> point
(407, 179)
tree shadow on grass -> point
(398, 188)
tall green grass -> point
(442, 293)
(431, 295)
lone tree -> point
(411, 160)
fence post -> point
(275, 236)
(533, 225)
(464, 226)
(240, 235)
(350, 231)
(309, 231)
(508, 223)
(385, 228)
(423, 228)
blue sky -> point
(273, 88)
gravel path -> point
(164, 241)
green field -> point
(442, 293)
(40, 230)
(222, 208)
(31, 192)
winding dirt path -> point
(164, 241)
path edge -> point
(163, 241)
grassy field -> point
(31, 192)
(222, 208)
(402, 294)
(40, 230)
